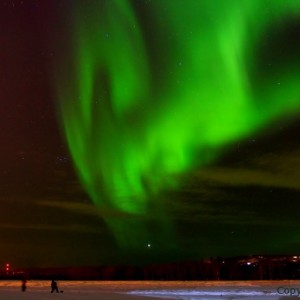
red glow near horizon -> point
(7, 266)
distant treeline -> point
(238, 268)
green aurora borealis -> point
(154, 90)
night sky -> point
(140, 147)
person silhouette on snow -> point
(23, 287)
(54, 286)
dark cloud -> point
(86, 209)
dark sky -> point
(246, 202)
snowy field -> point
(130, 290)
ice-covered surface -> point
(184, 290)
(224, 290)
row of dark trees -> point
(239, 268)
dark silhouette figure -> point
(54, 286)
(24, 287)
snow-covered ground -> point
(130, 290)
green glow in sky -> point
(154, 92)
